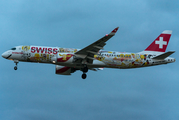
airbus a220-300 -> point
(93, 57)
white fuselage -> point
(66, 57)
(91, 57)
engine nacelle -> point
(63, 70)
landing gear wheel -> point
(84, 76)
(16, 62)
(15, 68)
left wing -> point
(88, 52)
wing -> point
(88, 52)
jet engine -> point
(64, 70)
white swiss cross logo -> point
(161, 42)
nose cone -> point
(5, 55)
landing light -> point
(53, 61)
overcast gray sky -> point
(35, 92)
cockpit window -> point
(13, 48)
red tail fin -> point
(161, 42)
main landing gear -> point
(84, 76)
(85, 70)
(16, 62)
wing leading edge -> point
(92, 49)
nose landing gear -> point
(15, 68)
(16, 62)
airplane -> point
(93, 57)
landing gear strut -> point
(85, 70)
(16, 62)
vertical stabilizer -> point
(160, 43)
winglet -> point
(114, 31)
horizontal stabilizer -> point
(100, 68)
(96, 69)
(163, 56)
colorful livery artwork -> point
(68, 60)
